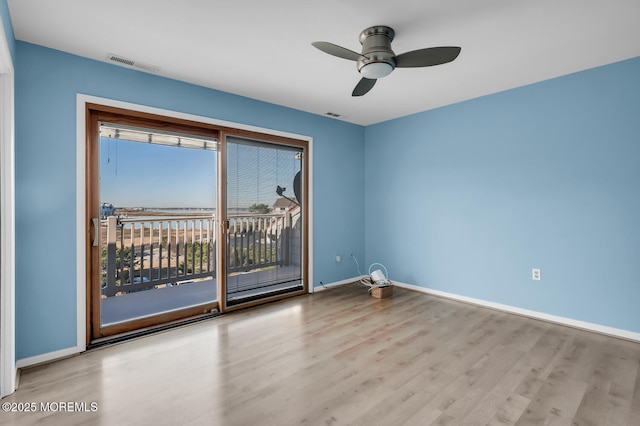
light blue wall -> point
(468, 198)
(47, 82)
(5, 16)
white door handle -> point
(96, 231)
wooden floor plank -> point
(608, 396)
(509, 411)
(634, 409)
(341, 357)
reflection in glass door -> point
(157, 226)
(265, 220)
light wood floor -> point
(341, 357)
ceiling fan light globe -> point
(375, 70)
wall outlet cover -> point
(535, 274)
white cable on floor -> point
(367, 281)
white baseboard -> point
(49, 356)
(583, 325)
(323, 287)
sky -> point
(137, 174)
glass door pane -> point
(264, 238)
(157, 223)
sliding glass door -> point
(265, 220)
(184, 220)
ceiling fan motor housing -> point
(377, 58)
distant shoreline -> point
(140, 211)
(169, 211)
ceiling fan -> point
(377, 60)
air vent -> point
(333, 114)
(131, 63)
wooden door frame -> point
(96, 113)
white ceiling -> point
(262, 49)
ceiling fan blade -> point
(427, 57)
(363, 86)
(335, 50)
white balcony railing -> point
(152, 252)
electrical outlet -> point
(535, 274)
(338, 258)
